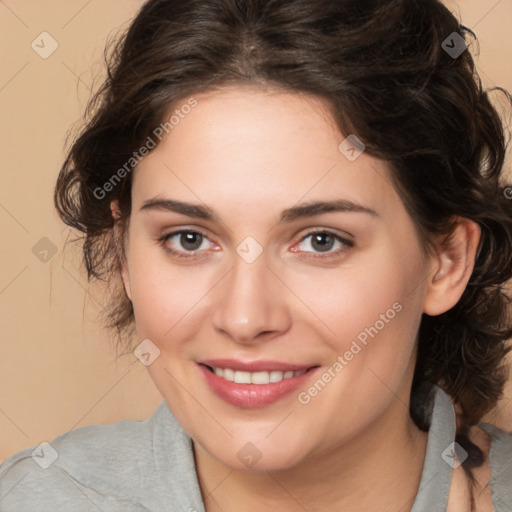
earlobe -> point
(452, 267)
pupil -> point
(319, 238)
(191, 241)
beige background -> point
(58, 370)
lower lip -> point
(253, 395)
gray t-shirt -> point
(148, 466)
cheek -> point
(368, 312)
(165, 296)
(373, 312)
(355, 295)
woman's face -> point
(271, 283)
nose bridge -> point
(252, 300)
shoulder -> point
(499, 453)
(85, 466)
(492, 490)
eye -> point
(188, 240)
(324, 242)
(193, 242)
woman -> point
(301, 207)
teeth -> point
(228, 374)
(242, 377)
(260, 378)
(255, 377)
(275, 376)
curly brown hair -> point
(387, 74)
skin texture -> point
(248, 154)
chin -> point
(255, 456)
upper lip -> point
(255, 366)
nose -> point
(251, 304)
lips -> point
(255, 366)
(253, 395)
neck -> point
(379, 469)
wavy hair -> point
(386, 72)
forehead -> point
(263, 149)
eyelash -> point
(347, 244)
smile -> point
(256, 388)
(263, 377)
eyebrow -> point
(288, 215)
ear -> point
(452, 267)
(119, 245)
